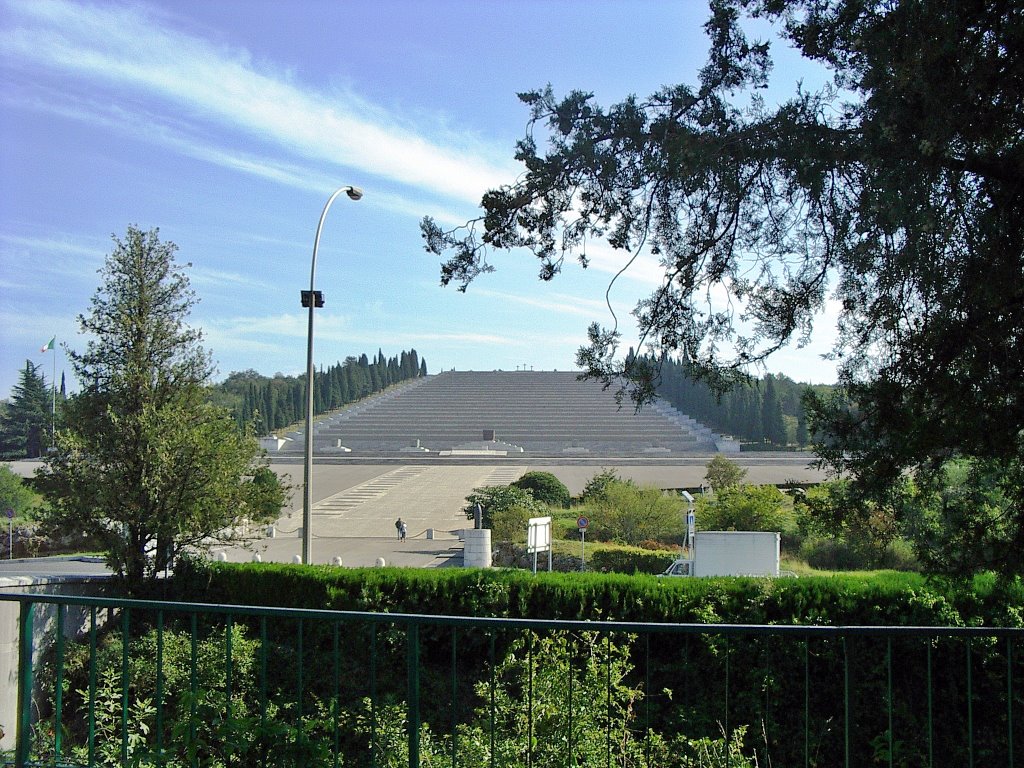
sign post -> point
(538, 538)
(583, 523)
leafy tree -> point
(630, 514)
(144, 463)
(721, 473)
(835, 511)
(596, 485)
(895, 188)
(744, 508)
(966, 518)
(25, 422)
(15, 494)
(545, 487)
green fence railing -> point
(145, 683)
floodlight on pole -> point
(314, 299)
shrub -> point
(630, 514)
(545, 487)
(498, 498)
(744, 508)
(595, 486)
(510, 523)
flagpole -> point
(53, 402)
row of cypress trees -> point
(279, 401)
(767, 410)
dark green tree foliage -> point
(273, 403)
(25, 422)
(144, 463)
(897, 187)
(746, 410)
(545, 487)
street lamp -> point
(314, 299)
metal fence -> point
(129, 682)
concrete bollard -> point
(430, 534)
(297, 559)
(256, 557)
(271, 532)
(222, 556)
(380, 562)
(337, 561)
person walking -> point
(402, 531)
(399, 524)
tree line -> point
(271, 403)
(28, 418)
(768, 410)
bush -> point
(629, 560)
(628, 514)
(546, 488)
(744, 508)
(510, 524)
(841, 555)
(595, 486)
(498, 498)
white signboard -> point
(538, 534)
(538, 538)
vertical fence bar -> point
(91, 748)
(608, 704)
(413, 672)
(373, 696)
(1009, 700)
(23, 737)
(728, 735)
(125, 639)
(58, 714)
(931, 730)
(160, 686)
(455, 696)
(846, 705)
(807, 703)
(227, 681)
(300, 738)
(529, 705)
(336, 692)
(568, 719)
(888, 692)
(193, 682)
(263, 690)
(647, 698)
(490, 654)
(970, 708)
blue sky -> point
(228, 123)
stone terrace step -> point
(543, 412)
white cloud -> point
(128, 48)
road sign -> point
(582, 522)
(10, 513)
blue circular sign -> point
(10, 513)
(582, 521)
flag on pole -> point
(48, 345)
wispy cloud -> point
(134, 48)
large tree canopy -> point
(144, 462)
(896, 189)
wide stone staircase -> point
(536, 413)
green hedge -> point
(885, 599)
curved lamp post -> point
(313, 299)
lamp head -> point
(354, 193)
